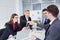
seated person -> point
(25, 20)
(53, 30)
(11, 27)
(46, 21)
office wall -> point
(35, 5)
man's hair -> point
(44, 10)
(53, 9)
(27, 10)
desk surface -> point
(25, 35)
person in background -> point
(44, 11)
(46, 20)
(25, 20)
(11, 27)
(53, 30)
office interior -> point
(7, 7)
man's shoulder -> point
(56, 24)
(56, 21)
(22, 16)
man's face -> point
(46, 14)
(27, 13)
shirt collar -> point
(52, 21)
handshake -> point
(31, 22)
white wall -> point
(7, 7)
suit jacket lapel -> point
(25, 17)
(50, 26)
(54, 21)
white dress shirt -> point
(52, 21)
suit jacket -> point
(8, 31)
(53, 32)
(46, 21)
(1, 31)
(23, 22)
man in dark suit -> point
(46, 20)
(53, 30)
(25, 20)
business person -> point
(44, 24)
(53, 30)
(11, 27)
(46, 20)
(25, 20)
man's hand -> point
(10, 36)
(31, 22)
(25, 28)
(33, 37)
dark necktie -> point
(46, 33)
(47, 27)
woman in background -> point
(11, 27)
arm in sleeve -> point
(5, 33)
(54, 33)
(37, 39)
(22, 21)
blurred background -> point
(7, 7)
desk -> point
(26, 35)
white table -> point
(26, 35)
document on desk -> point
(38, 33)
(26, 35)
(11, 38)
